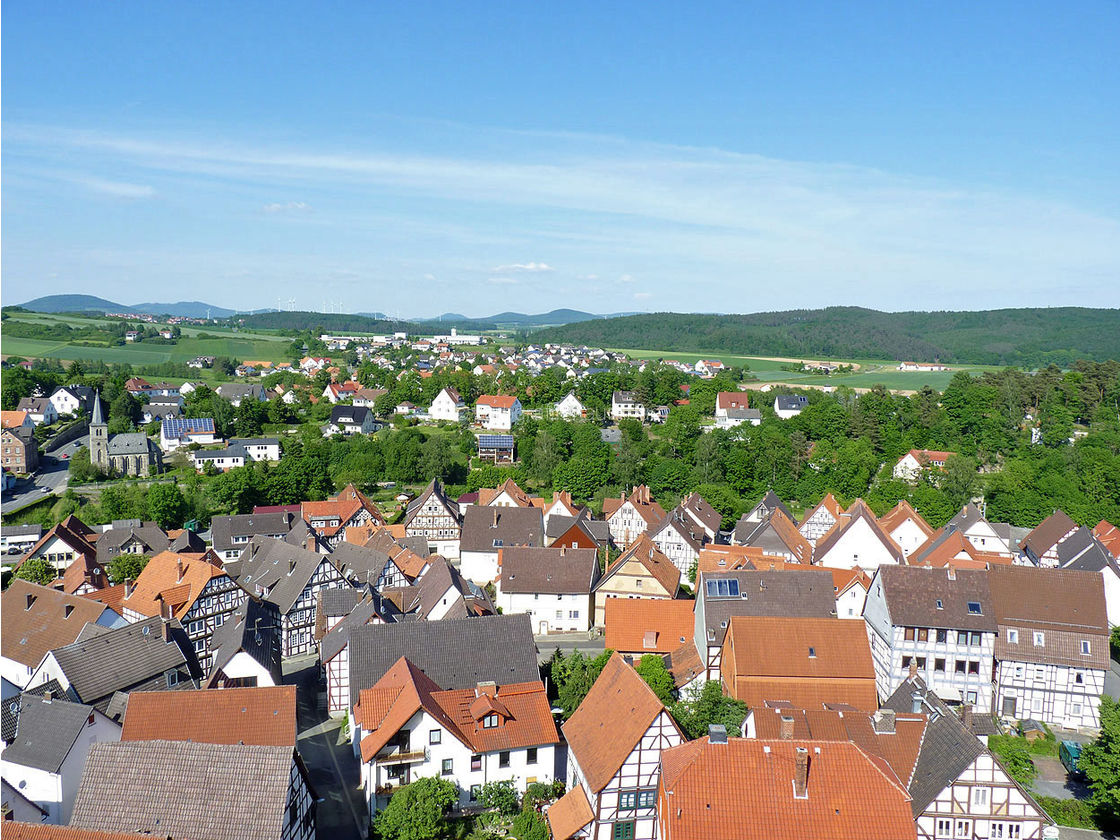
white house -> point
(406, 728)
(911, 465)
(978, 531)
(789, 405)
(221, 459)
(40, 409)
(489, 530)
(259, 449)
(679, 538)
(625, 404)
(906, 527)
(1052, 651)
(856, 540)
(570, 407)
(497, 412)
(70, 399)
(820, 519)
(46, 759)
(182, 431)
(613, 780)
(552, 585)
(631, 516)
(851, 587)
(447, 405)
(936, 623)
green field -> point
(871, 373)
(238, 345)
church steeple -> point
(98, 437)
(97, 419)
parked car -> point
(1069, 752)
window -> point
(944, 828)
(476, 765)
(559, 615)
(942, 636)
(940, 605)
(906, 661)
(503, 759)
(172, 678)
(638, 583)
(490, 721)
(719, 589)
(447, 765)
(1013, 636)
(435, 737)
(962, 637)
(623, 830)
(909, 635)
(921, 663)
(628, 800)
(974, 608)
(531, 755)
(939, 665)
(1020, 671)
(647, 798)
(396, 771)
(964, 828)
(974, 666)
(960, 665)
(923, 635)
(1079, 678)
(974, 640)
(980, 797)
(1084, 647)
(1005, 831)
(573, 615)
(1039, 638)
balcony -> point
(408, 757)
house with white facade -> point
(911, 465)
(957, 787)
(351, 420)
(1042, 544)
(487, 530)
(820, 519)
(979, 531)
(631, 516)
(1085, 551)
(613, 780)
(938, 624)
(906, 527)
(552, 585)
(246, 650)
(447, 405)
(733, 409)
(407, 727)
(497, 412)
(436, 518)
(857, 540)
(71, 399)
(789, 405)
(175, 432)
(625, 404)
(1052, 650)
(53, 739)
(570, 408)
(680, 538)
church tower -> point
(98, 437)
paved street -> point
(333, 767)
(52, 477)
(1052, 780)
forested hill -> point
(1025, 337)
(319, 322)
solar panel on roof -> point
(179, 426)
(495, 441)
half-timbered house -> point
(436, 518)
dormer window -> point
(940, 604)
(1039, 639)
(1085, 648)
(1013, 636)
(974, 608)
(491, 721)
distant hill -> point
(516, 320)
(320, 322)
(185, 309)
(75, 303)
(1025, 337)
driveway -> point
(1052, 780)
(333, 767)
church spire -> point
(97, 419)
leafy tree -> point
(573, 675)
(36, 570)
(124, 413)
(705, 706)
(959, 479)
(166, 505)
(81, 469)
(652, 669)
(529, 825)
(546, 455)
(417, 811)
(126, 567)
(1100, 762)
(499, 796)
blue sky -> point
(419, 158)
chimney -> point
(966, 715)
(916, 702)
(129, 585)
(801, 773)
(167, 630)
(489, 688)
(179, 569)
(48, 695)
(883, 721)
(563, 551)
(494, 524)
(785, 728)
(717, 733)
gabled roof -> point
(744, 790)
(728, 558)
(775, 526)
(252, 629)
(569, 813)
(548, 571)
(927, 456)
(829, 504)
(497, 401)
(361, 564)
(455, 653)
(697, 507)
(10, 708)
(1053, 528)
(642, 501)
(37, 619)
(172, 579)
(264, 716)
(224, 528)
(913, 594)
(647, 625)
(520, 498)
(491, 528)
(726, 400)
(125, 659)
(276, 571)
(610, 721)
(659, 567)
(47, 730)
(156, 787)
(796, 593)
(900, 513)
(856, 513)
(435, 489)
(943, 549)
(72, 531)
(1109, 535)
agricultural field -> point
(224, 342)
(870, 373)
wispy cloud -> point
(503, 281)
(529, 266)
(287, 207)
(642, 295)
(117, 189)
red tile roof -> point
(569, 813)
(1108, 534)
(173, 579)
(496, 401)
(648, 625)
(264, 716)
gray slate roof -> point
(790, 594)
(185, 789)
(130, 443)
(225, 528)
(912, 593)
(252, 628)
(482, 526)
(549, 571)
(455, 653)
(359, 563)
(598, 529)
(47, 731)
(9, 709)
(276, 571)
(1084, 552)
(150, 534)
(127, 659)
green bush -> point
(1075, 813)
(529, 825)
(1015, 757)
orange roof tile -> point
(13, 419)
(264, 716)
(173, 579)
(36, 619)
(659, 566)
(110, 596)
(42, 831)
(569, 813)
(648, 625)
(829, 503)
(496, 400)
(610, 721)
(728, 558)
(1108, 534)
(955, 551)
(890, 520)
